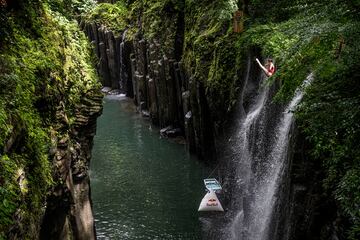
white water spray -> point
(267, 151)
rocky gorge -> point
(158, 84)
(189, 68)
(69, 211)
(194, 79)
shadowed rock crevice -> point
(69, 211)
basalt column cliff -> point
(287, 145)
(187, 64)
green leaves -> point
(8, 192)
(347, 193)
(113, 16)
(211, 54)
(330, 116)
(323, 38)
(38, 70)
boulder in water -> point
(170, 132)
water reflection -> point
(143, 187)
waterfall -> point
(269, 186)
(244, 140)
(260, 151)
(122, 73)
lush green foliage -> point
(330, 118)
(305, 43)
(42, 66)
(303, 37)
(158, 18)
(314, 36)
(210, 54)
(45, 62)
(113, 16)
(71, 8)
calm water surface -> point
(142, 186)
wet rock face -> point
(161, 86)
(113, 53)
(69, 213)
(304, 210)
(158, 83)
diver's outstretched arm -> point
(262, 67)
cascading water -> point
(260, 150)
(268, 186)
(245, 144)
(122, 73)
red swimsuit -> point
(270, 70)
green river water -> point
(142, 186)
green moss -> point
(113, 16)
(210, 52)
(71, 8)
(49, 62)
(160, 18)
(329, 117)
(8, 192)
(44, 67)
(305, 37)
(323, 39)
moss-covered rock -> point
(46, 71)
(322, 39)
(211, 54)
(302, 37)
(113, 16)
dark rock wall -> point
(157, 81)
(112, 53)
(304, 209)
(69, 212)
(164, 91)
